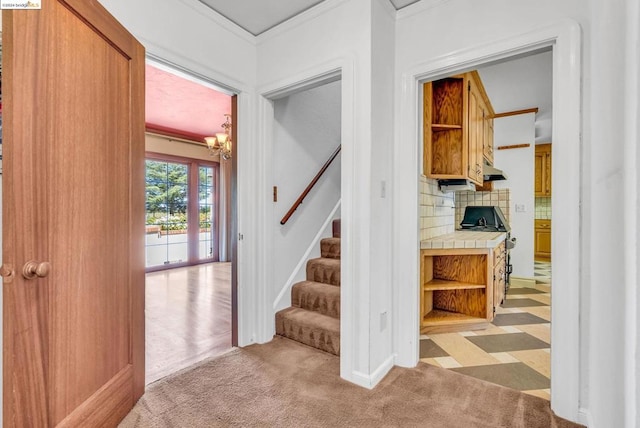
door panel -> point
(74, 197)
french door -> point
(181, 212)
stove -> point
(490, 219)
(484, 219)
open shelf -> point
(442, 127)
(445, 284)
(438, 316)
(439, 321)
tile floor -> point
(542, 272)
(514, 351)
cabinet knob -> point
(32, 269)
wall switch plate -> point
(383, 321)
(520, 208)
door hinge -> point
(240, 236)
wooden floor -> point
(188, 317)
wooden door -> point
(542, 239)
(542, 170)
(475, 134)
(73, 217)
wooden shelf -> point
(444, 284)
(437, 316)
(439, 321)
(442, 127)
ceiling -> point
(179, 106)
(258, 16)
(183, 106)
(522, 83)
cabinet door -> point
(543, 243)
(488, 138)
(542, 168)
(499, 275)
(476, 133)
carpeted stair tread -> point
(335, 228)
(309, 327)
(318, 297)
(324, 270)
(330, 248)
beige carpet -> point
(287, 384)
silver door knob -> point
(34, 269)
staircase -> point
(314, 315)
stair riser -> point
(315, 337)
(312, 299)
(322, 273)
(330, 248)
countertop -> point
(464, 239)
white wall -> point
(518, 165)
(306, 132)
(382, 134)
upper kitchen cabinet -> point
(543, 170)
(458, 128)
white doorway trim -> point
(353, 348)
(565, 39)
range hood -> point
(491, 174)
(456, 185)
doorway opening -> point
(190, 215)
(498, 324)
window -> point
(181, 205)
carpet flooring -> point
(287, 384)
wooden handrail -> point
(306, 191)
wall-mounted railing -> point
(313, 182)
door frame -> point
(241, 320)
(564, 37)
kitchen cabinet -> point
(542, 167)
(455, 114)
(488, 137)
(542, 240)
(499, 274)
(460, 288)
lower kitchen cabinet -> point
(542, 240)
(460, 288)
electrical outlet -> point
(520, 208)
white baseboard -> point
(584, 417)
(521, 282)
(370, 381)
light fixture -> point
(221, 143)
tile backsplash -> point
(499, 198)
(436, 210)
(543, 208)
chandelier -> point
(221, 143)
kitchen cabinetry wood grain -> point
(542, 167)
(457, 127)
(542, 241)
(460, 288)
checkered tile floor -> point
(542, 272)
(513, 352)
